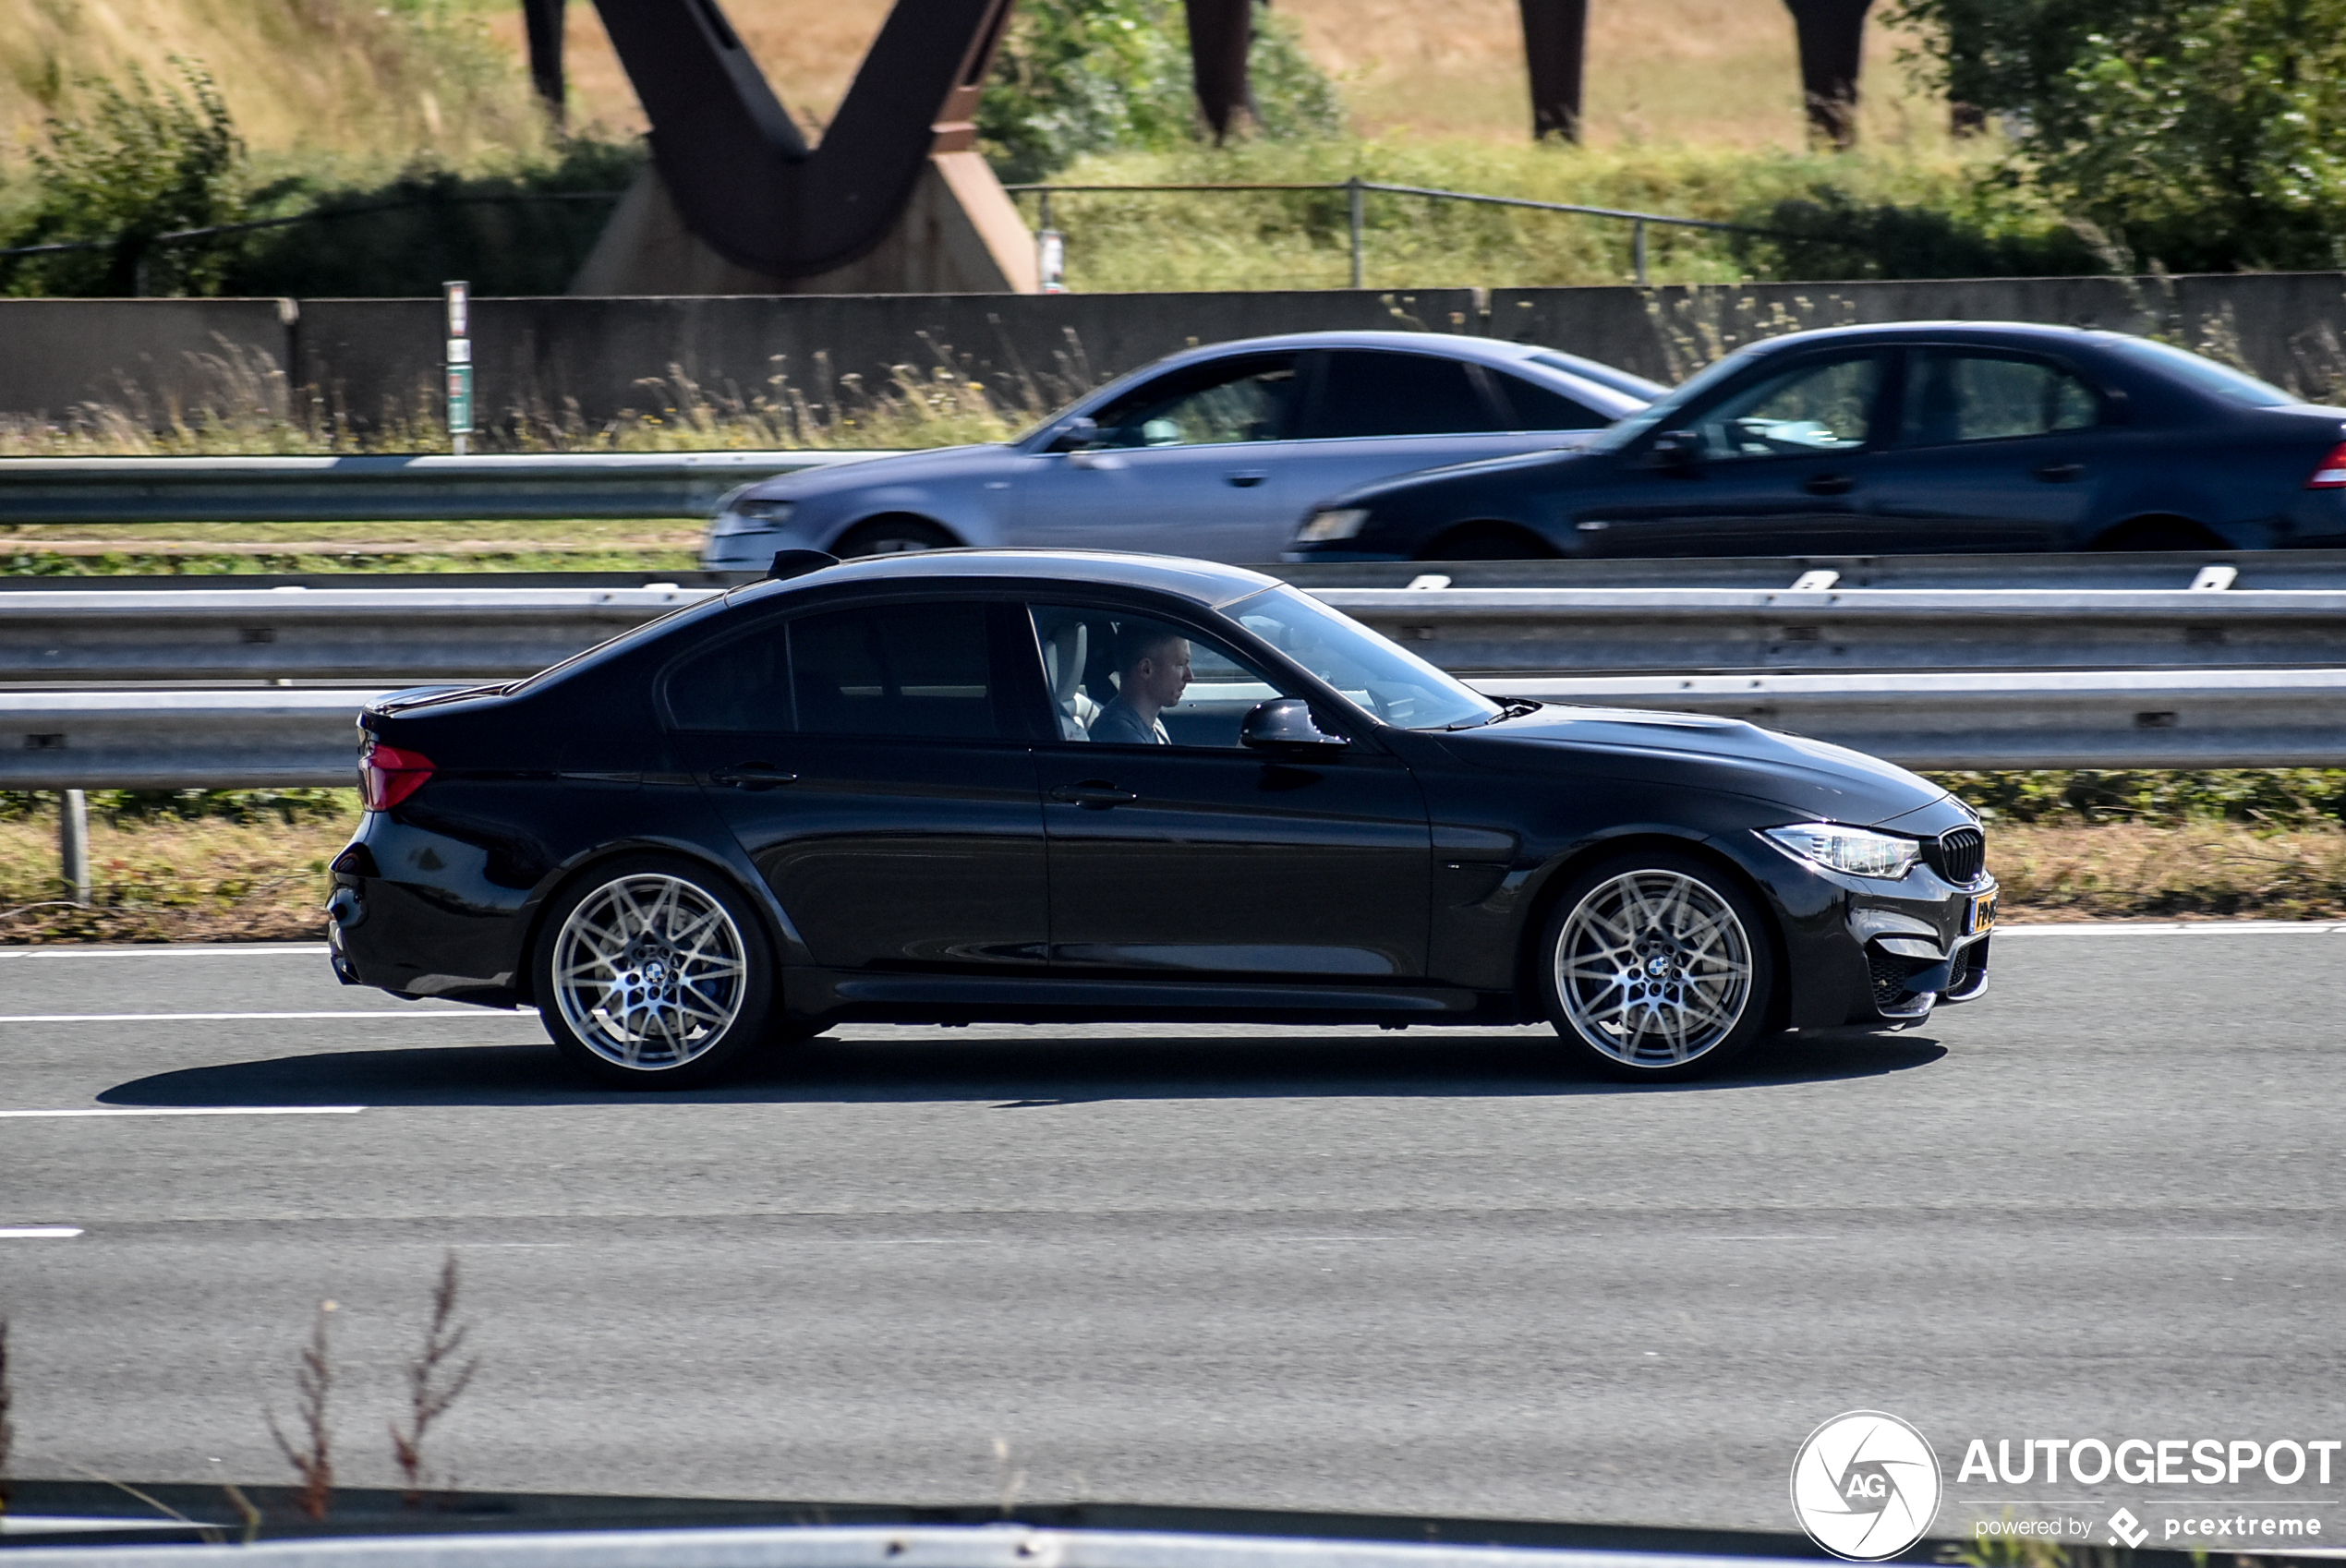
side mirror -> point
(1284, 724)
(1680, 452)
(1075, 435)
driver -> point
(1152, 670)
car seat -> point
(1065, 647)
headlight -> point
(1851, 850)
(751, 515)
(1324, 528)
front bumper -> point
(1924, 941)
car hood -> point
(1812, 779)
(944, 462)
(1484, 467)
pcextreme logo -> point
(1865, 1486)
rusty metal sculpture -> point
(1555, 42)
(1220, 33)
(541, 22)
(739, 172)
(1832, 34)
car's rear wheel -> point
(653, 972)
(892, 535)
(1656, 966)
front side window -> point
(917, 671)
(1364, 393)
(1954, 396)
(1127, 680)
(1818, 406)
(1379, 677)
(1244, 398)
(1542, 409)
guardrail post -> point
(1352, 189)
(73, 843)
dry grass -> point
(197, 550)
(378, 84)
(213, 881)
(2127, 870)
(172, 880)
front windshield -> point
(1375, 675)
(2204, 373)
(1663, 409)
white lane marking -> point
(2180, 928)
(194, 1110)
(219, 1018)
(37, 1233)
(184, 950)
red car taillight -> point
(2331, 475)
(388, 775)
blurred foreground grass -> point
(164, 550)
(249, 866)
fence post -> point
(73, 843)
(1638, 249)
(1352, 188)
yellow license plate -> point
(1981, 916)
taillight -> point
(2331, 475)
(388, 774)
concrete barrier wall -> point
(370, 360)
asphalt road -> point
(1331, 1269)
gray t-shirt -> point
(1119, 724)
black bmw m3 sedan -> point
(1055, 785)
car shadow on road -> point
(1030, 1071)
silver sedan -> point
(1214, 453)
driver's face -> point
(1164, 675)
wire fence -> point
(1358, 191)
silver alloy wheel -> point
(649, 972)
(1653, 968)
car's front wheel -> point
(892, 535)
(653, 972)
(1656, 966)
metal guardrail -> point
(406, 635)
(2219, 718)
(512, 487)
(2140, 569)
(856, 1546)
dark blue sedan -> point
(1915, 438)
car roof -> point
(1200, 581)
(2044, 333)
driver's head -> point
(1151, 666)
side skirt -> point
(857, 997)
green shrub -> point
(2277, 797)
(1831, 233)
(1090, 75)
(2204, 135)
(137, 163)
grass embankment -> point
(164, 550)
(250, 865)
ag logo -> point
(1865, 1486)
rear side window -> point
(902, 670)
(739, 685)
(1539, 408)
(1954, 396)
(1364, 393)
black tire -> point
(787, 1033)
(1488, 541)
(892, 535)
(2158, 533)
(726, 974)
(1672, 973)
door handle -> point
(1829, 484)
(1247, 480)
(2059, 473)
(753, 776)
(1092, 794)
